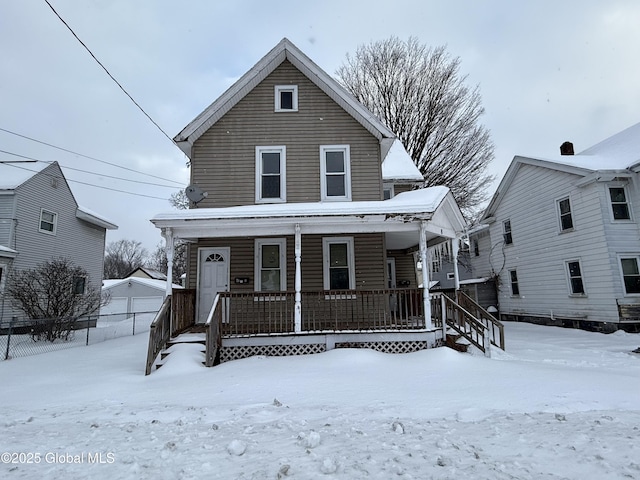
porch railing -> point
(212, 332)
(257, 313)
(159, 333)
(183, 311)
(495, 327)
(465, 324)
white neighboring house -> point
(41, 220)
(132, 295)
(562, 237)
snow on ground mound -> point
(559, 404)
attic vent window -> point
(286, 98)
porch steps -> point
(191, 338)
(456, 341)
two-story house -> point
(561, 237)
(306, 219)
(41, 220)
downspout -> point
(298, 281)
(425, 276)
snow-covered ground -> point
(559, 404)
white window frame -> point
(451, 276)
(627, 202)
(3, 276)
(278, 89)
(628, 256)
(54, 223)
(324, 149)
(559, 210)
(568, 272)
(84, 284)
(391, 188)
(282, 150)
(259, 243)
(326, 243)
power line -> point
(108, 73)
(90, 184)
(88, 172)
(85, 156)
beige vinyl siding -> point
(369, 258)
(223, 160)
(539, 251)
(402, 187)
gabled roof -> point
(149, 272)
(284, 50)
(614, 156)
(14, 174)
(160, 285)
(399, 166)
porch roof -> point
(402, 213)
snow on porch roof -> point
(398, 165)
(423, 201)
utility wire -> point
(89, 184)
(107, 72)
(88, 172)
(85, 156)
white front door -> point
(213, 277)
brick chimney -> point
(566, 148)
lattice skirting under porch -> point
(228, 353)
(387, 347)
(237, 352)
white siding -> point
(539, 251)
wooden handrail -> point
(159, 333)
(212, 332)
(465, 324)
(496, 328)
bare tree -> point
(418, 92)
(179, 200)
(158, 259)
(122, 257)
(56, 291)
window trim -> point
(560, 215)
(569, 278)
(3, 275)
(282, 150)
(511, 282)
(326, 242)
(54, 223)
(84, 284)
(388, 186)
(324, 149)
(506, 232)
(611, 203)
(476, 247)
(278, 89)
(626, 256)
(258, 244)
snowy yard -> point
(559, 404)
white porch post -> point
(298, 282)
(455, 246)
(425, 276)
(167, 233)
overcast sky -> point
(548, 71)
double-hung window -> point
(576, 284)
(515, 286)
(506, 232)
(79, 285)
(286, 98)
(339, 263)
(48, 222)
(271, 179)
(335, 172)
(270, 264)
(566, 219)
(619, 204)
(630, 274)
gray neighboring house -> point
(40, 220)
(132, 295)
(561, 236)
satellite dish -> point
(195, 194)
